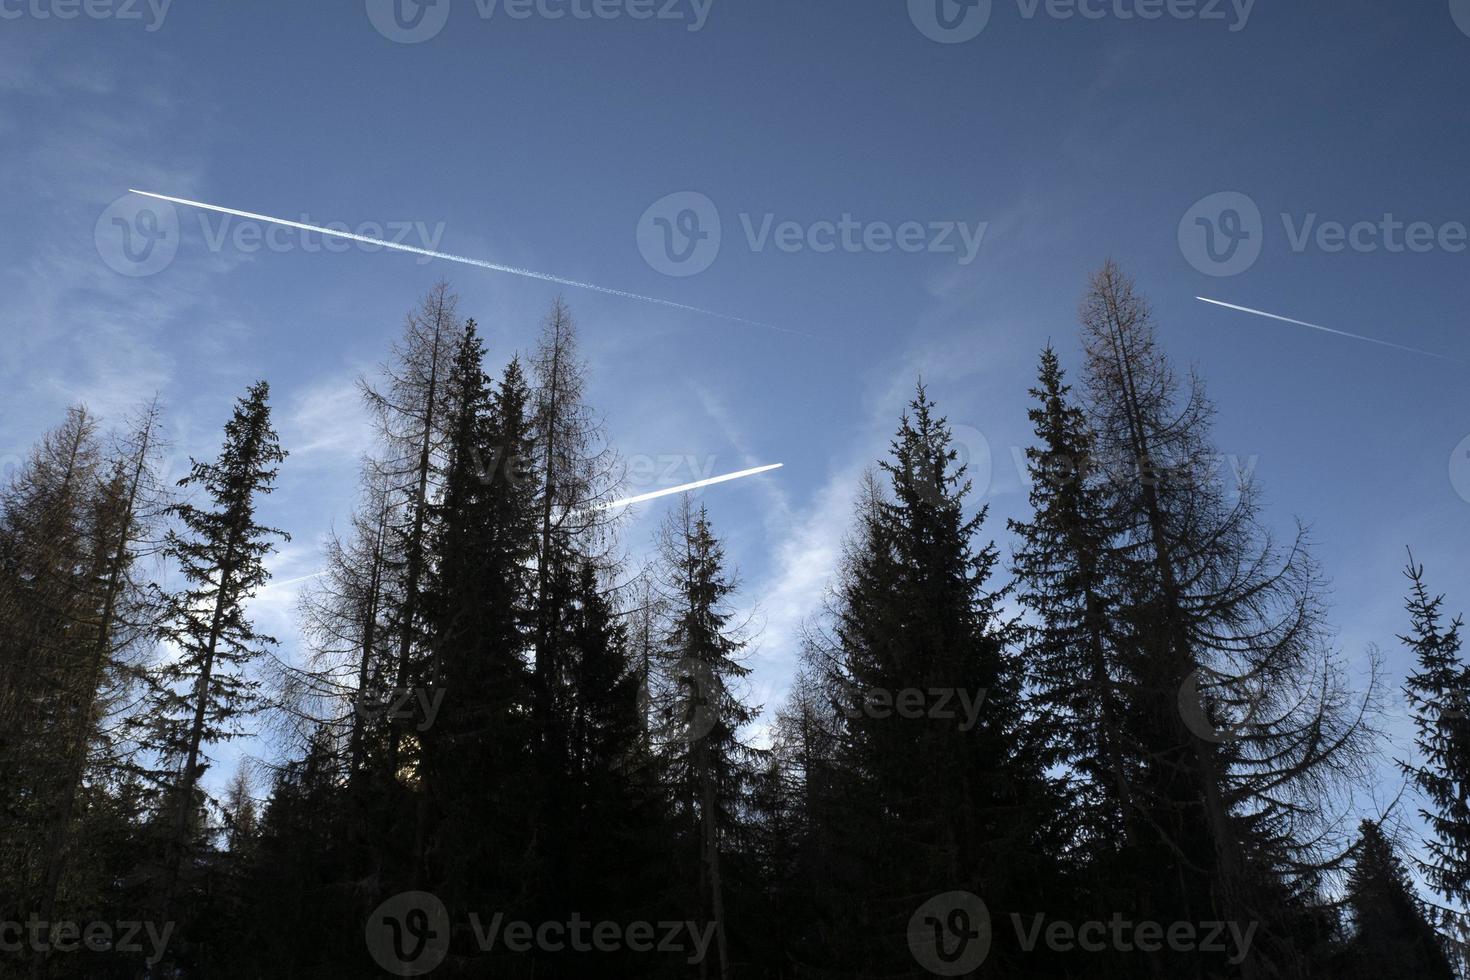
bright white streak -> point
(450, 257)
(1318, 326)
(292, 581)
(643, 498)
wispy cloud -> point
(326, 423)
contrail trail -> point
(1318, 326)
(642, 498)
(293, 581)
(449, 257)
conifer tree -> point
(1067, 570)
(611, 852)
(122, 507)
(476, 600)
(410, 407)
(201, 695)
(344, 614)
(604, 736)
(1391, 935)
(1240, 717)
(1439, 696)
(1081, 662)
(575, 469)
(958, 798)
(46, 551)
(301, 911)
(711, 768)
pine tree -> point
(46, 606)
(957, 807)
(121, 510)
(711, 767)
(301, 912)
(611, 847)
(574, 466)
(1067, 568)
(1080, 659)
(1437, 695)
(798, 796)
(344, 614)
(476, 600)
(1240, 717)
(1392, 936)
(202, 694)
(241, 817)
(411, 407)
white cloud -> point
(326, 421)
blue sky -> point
(543, 142)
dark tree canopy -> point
(511, 720)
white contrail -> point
(294, 581)
(1318, 326)
(449, 257)
(642, 498)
